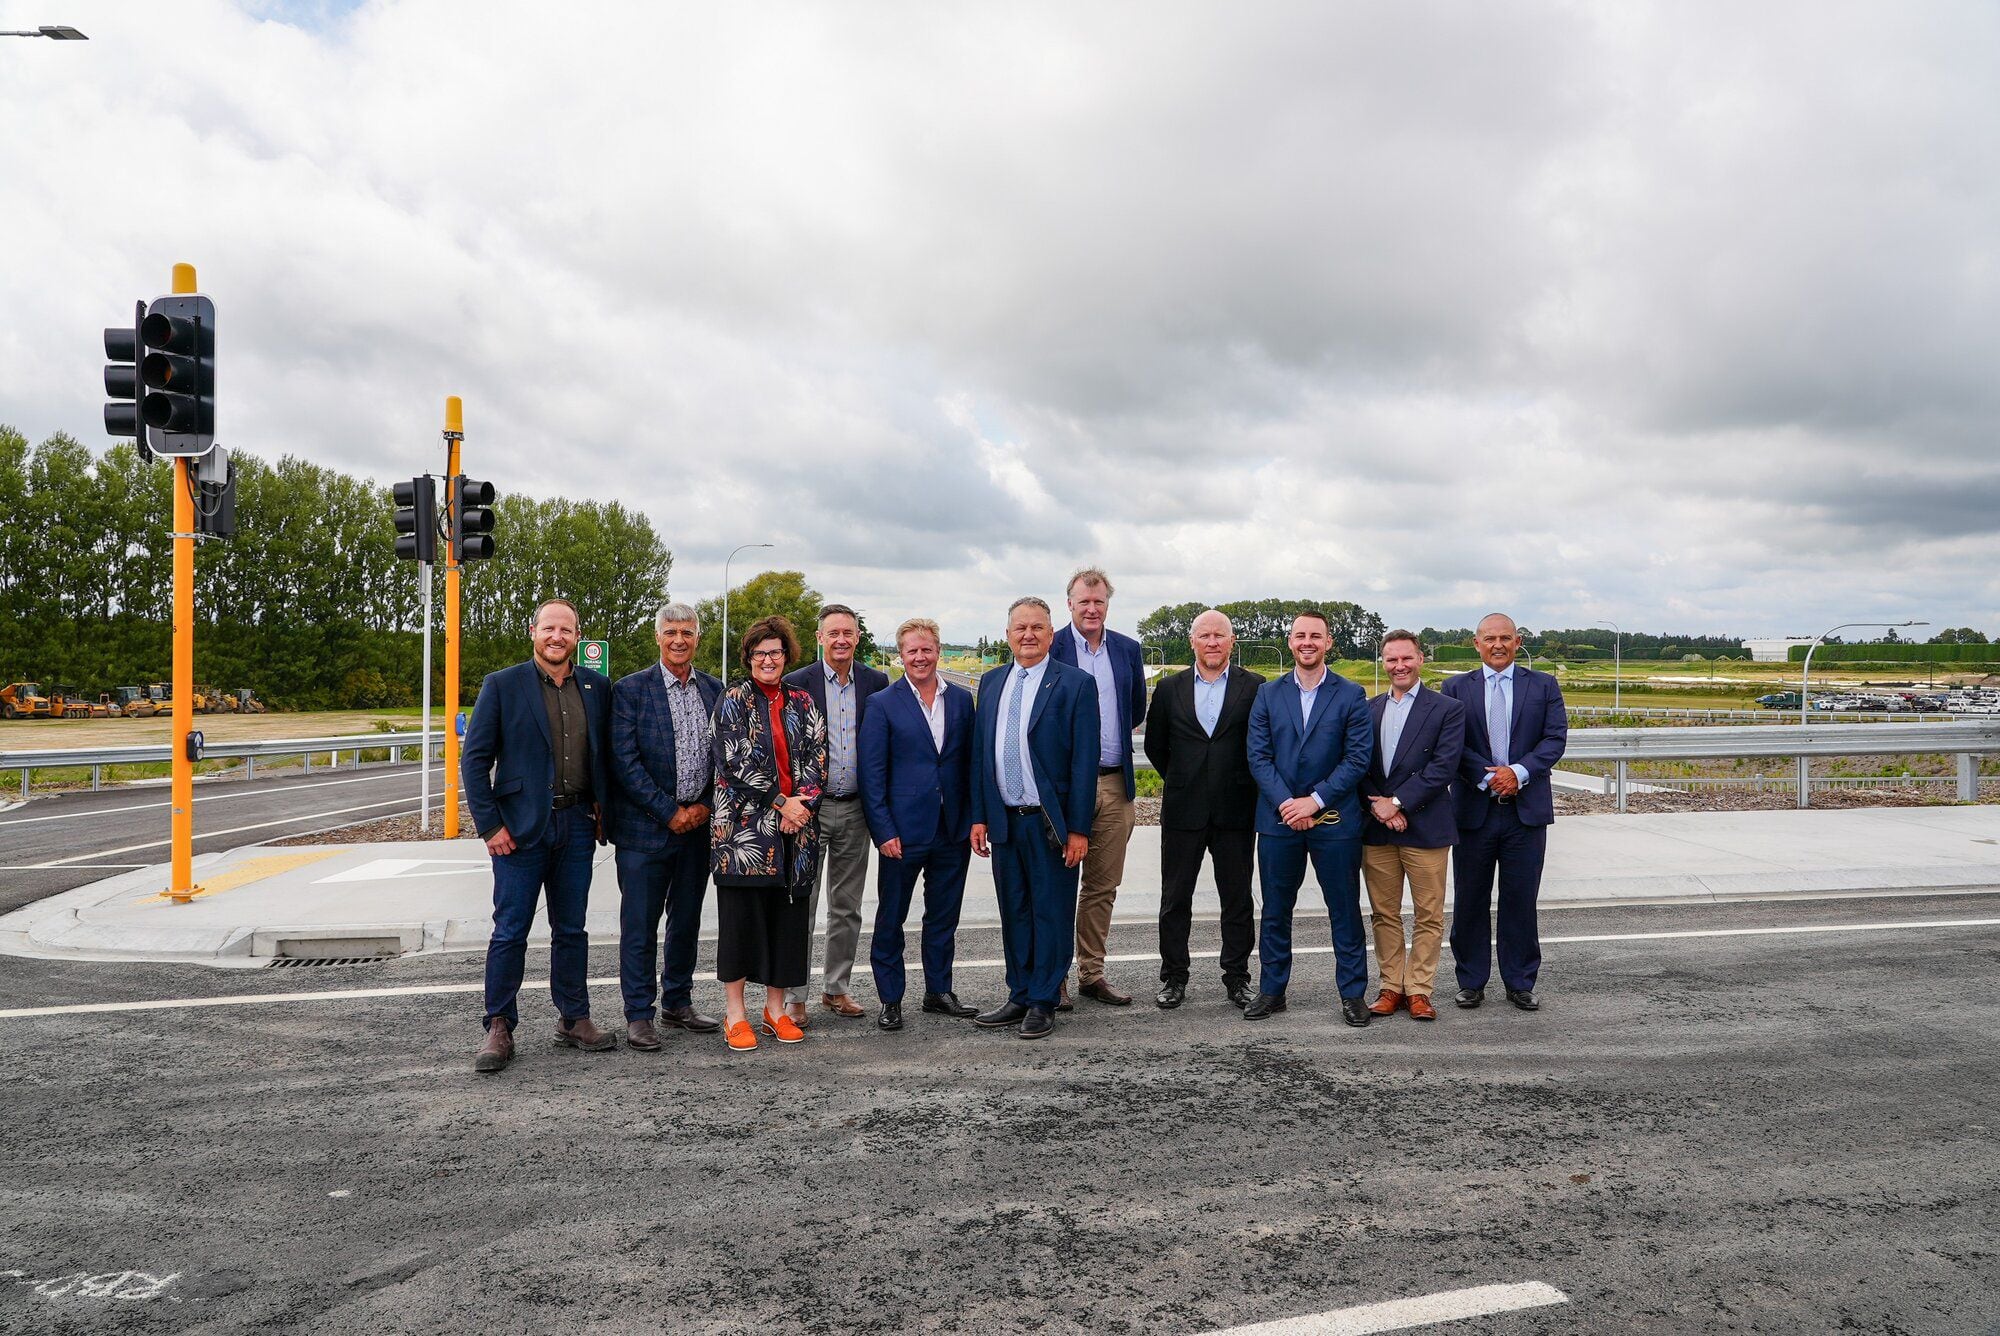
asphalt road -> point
(54, 843)
(1776, 1131)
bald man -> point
(1197, 737)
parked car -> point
(1780, 700)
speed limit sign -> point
(595, 655)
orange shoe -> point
(782, 1028)
(740, 1036)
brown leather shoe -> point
(497, 1051)
(583, 1033)
(1062, 997)
(641, 1035)
(1100, 990)
(1421, 1008)
(840, 1004)
(1386, 1003)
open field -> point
(34, 734)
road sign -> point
(595, 655)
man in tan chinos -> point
(1115, 663)
(1410, 824)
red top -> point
(774, 707)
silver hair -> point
(1029, 600)
(675, 612)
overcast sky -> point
(1681, 316)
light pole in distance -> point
(725, 603)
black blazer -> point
(1207, 778)
(1426, 762)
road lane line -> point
(1403, 1314)
(247, 789)
(611, 980)
(216, 834)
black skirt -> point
(763, 935)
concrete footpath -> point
(259, 904)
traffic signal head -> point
(416, 519)
(121, 378)
(471, 519)
(177, 373)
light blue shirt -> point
(1208, 698)
(1027, 795)
(842, 715)
(1503, 682)
(1307, 697)
(1395, 714)
(1110, 747)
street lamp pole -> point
(60, 32)
(1617, 663)
(725, 603)
(1805, 683)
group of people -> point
(781, 787)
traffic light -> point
(416, 519)
(471, 519)
(121, 379)
(178, 373)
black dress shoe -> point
(1007, 1013)
(1469, 997)
(1265, 1005)
(1524, 999)
(1038, 1024)
(690, 1019)
(891, 1017)
(1354, 1010)
(1239, 994)
(1062, 998)
(947, 1004)
(1172, 994)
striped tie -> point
(1010, 747)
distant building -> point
(1774, 649)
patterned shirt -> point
(691, 736)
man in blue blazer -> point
(534, 773)
(1516, 729)
(841, 687)
(1310, 740)
(916, 790)
(1411, 825)
(662, 779)
(1034, 790)
(1118, 669)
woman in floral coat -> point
(770, 767)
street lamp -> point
(1805, 680)
(725, 603)
(58, 32)
(1617, 662)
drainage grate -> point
(298, 962)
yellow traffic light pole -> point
(181, 889)
(454, 434)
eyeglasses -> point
(767, 654)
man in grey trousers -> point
(841, 688)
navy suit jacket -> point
(910, 791)
(644, 760)
(1128, 670)
(1328, 756)
(508, 765)
(1421, 775)
(1062, 750)
(1540, 735)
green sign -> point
(595, 655)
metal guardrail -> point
(1762, 716)
(69, 758)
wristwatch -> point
(1395, 802)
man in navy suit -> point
(1118, 669)
(1310, 740)
(1411, 824)
(1034, 790)
(1516, 728)
(841, 688)
(916, 790)
(534, 773)
(662, 786)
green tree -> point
(1959, 635)
(769, 593)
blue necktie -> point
(1498, 728)
(1010, 747)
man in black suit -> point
(841, 688)
(1197, 737)
(1411, 825)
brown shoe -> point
(1100, 990)
(1386, 1003)
(1421, 1008)
(641, 1035)
(497, 1051)
(840, 1004)
(583, 1033)
(1062, 997)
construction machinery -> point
(207, 700)
(71, 702)
(23, 700)
(141, 702)
(247, 702)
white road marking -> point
(397, 869)
(41, 867)
(611, 980)
(1402, 1314)
(233, 830)
(248, 790)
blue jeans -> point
(672, 881)
(943, 868)
(559, 861)
(1336, 862)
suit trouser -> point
(844, 848)
(1232, 853)
(1103, 870)
(560, 862)
(671, 881)
(1336, 862)
(1503, 844)
(1037, 910)
(1385, 866)
(943, 869)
